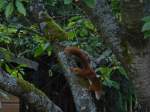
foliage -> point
(83, 34)
(16, 71)
(28, 41)
(115, 4)
(106, 77)
(89, 3)
(106, 72)
(9, 6)
(146, 27)
(124, 89)
(52, 31)
(23, 41)
(79, 27)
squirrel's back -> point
(78, 53)
(87, 71)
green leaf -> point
(146, 19)
(75, 18)
(105, 71)
(71, 24)
(20, 7)
(146, 27)
(146, 34)
(123, 72)
(23, 65)
(90, 3)
(89, 25)
(5, 54)
(49, 51)
(67, 2)
(38, 51)
(83, 32)
(41, 49)
(8, 68)
(71, 35)
(111, 83)
(2, 3)
(9, 9)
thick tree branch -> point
(106, 24)
(28, 92)
(50, 29)
(82, 97)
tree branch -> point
(27, 91)
(106, 24)
(82, 97)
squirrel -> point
(86, 71)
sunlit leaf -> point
(146, 27)
(71, 24)
(41, 49)
(23, 65)
(38, 51)
(105, 71)
(9, 9)
(20, 7)
(75, 18)
(8, 68)
(71, 35)
(89, 25)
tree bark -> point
(82, 98)
(39, 101)
(132, 13)
(130, 47)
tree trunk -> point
(128, 44)
(82, 97)
(132, 13)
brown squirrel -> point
(86, 71)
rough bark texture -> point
(82, 97)
(132, 12)
(130, 47)
(28, 92)
(107, 26)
